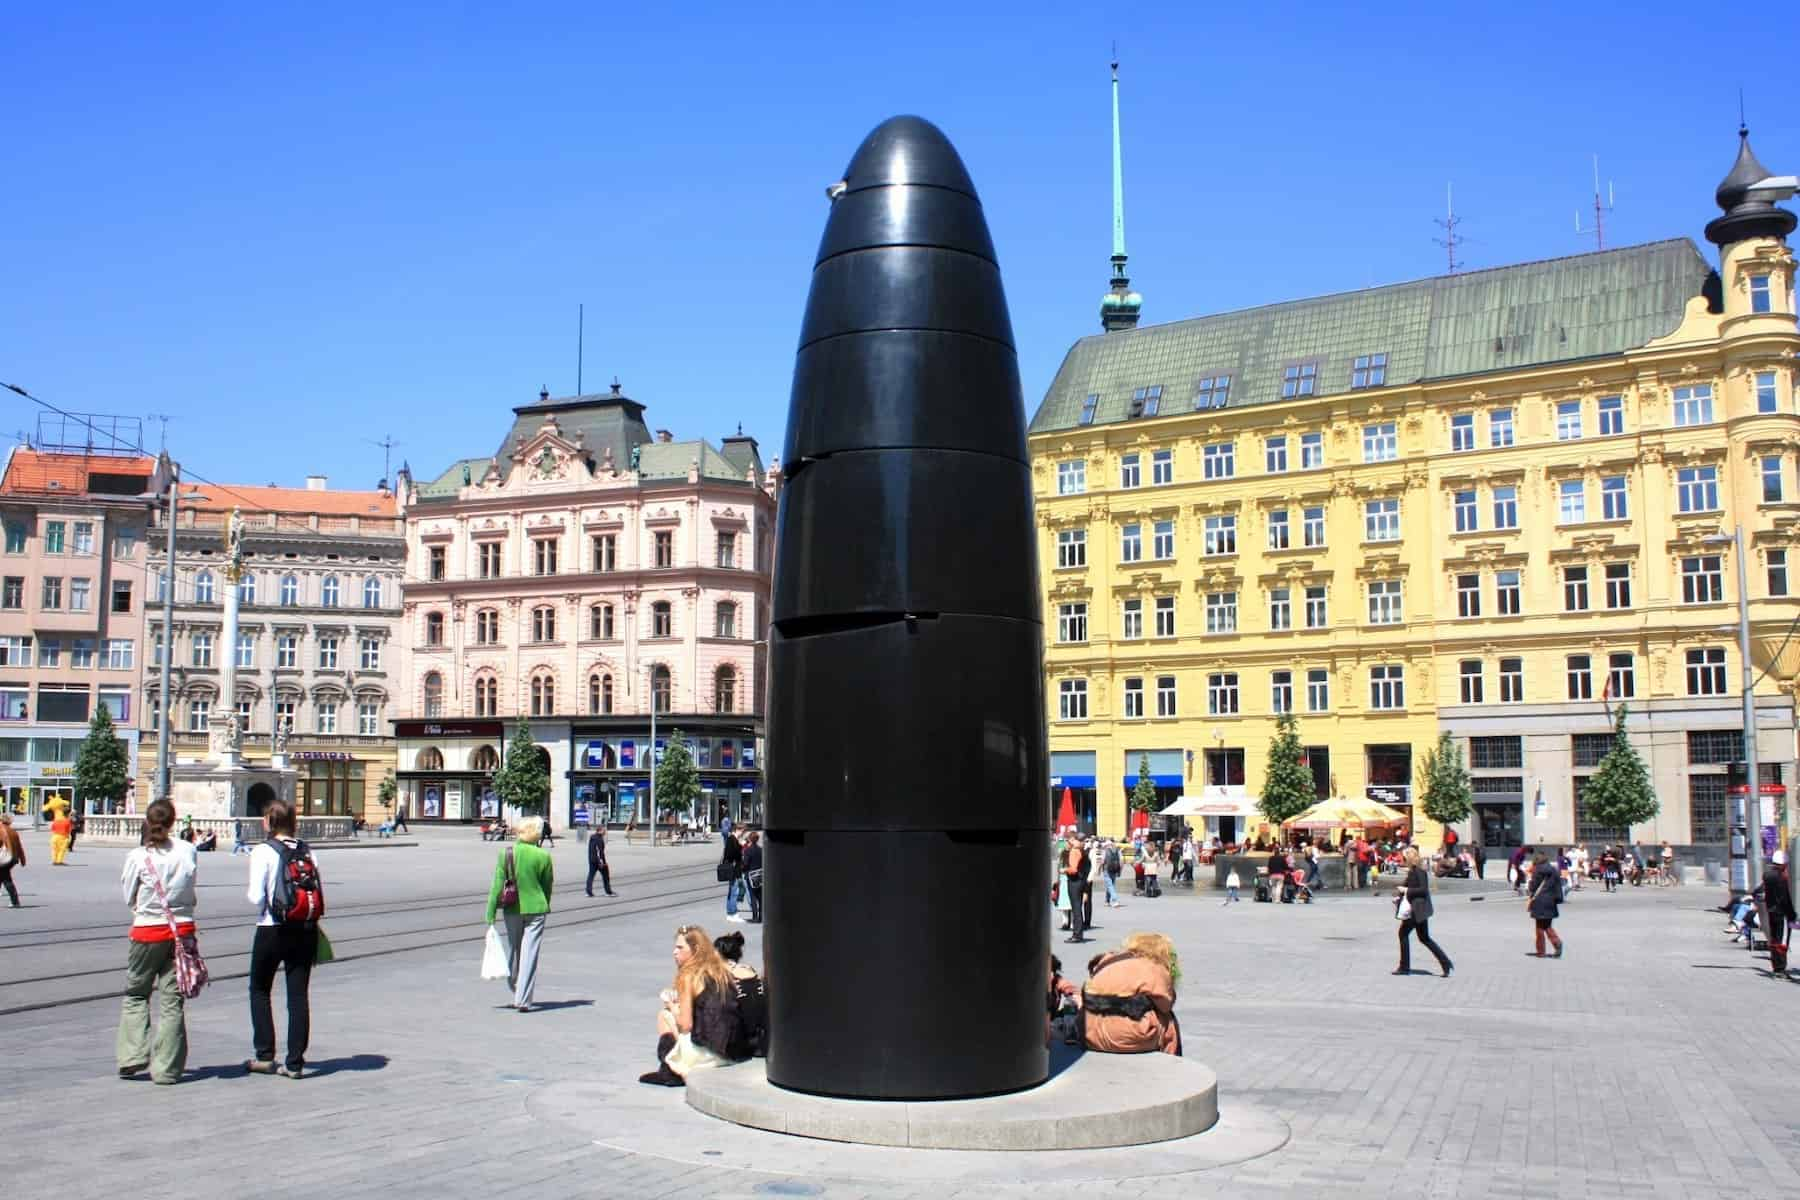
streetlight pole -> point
(650, 690)
(165, 710)
(1748, 812)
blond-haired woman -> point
(529, 868)
(1128, 1002)
(1415, 893)
(699, 1023)
(12, 855)
(158, 885)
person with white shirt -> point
(158, 886)
(278, 944)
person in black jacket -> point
(1417, 893)
(731, 868)
(753, 865)
(1544, 900)
(597, 861)
(1778, 900)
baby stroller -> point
(1137, 886)
(1262, 895)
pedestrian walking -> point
(524, 906)
(1111, 865)
(1076, 868)
(597, 861)
(1413, 907)
(1232, 884)
(1609, 869)
(1516, 868)
(61, 834)
(12, 856)
(1778, 900)
(400, 820)
(282, 871)
(158, 886)
(753, 876)
(1544, 901)
(1152, 870)
(731, 869)
(1315, 877)
(1479, 853)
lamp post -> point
(1746, 810)
(175, 496)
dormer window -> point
(1213, 391)
(1088, 408)
(1369, 370)
(1759, 294)
(1299, 379)
(1146, 401)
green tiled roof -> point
(602, 421)
(445, 485)
(669, 460)
(1507, 318)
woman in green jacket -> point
(530, 867)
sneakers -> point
(257, 1066)
(662, 1077)
(130, 1072)
(733, 917)
(291, 1072)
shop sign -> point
(56, 771)
(323, 755)
(447, 728)
(1394, 793)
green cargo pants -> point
(152, 965)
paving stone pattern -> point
(1653, 1060)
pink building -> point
(584, 572)
(74, 575)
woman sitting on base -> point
(751, 994)
(1128, 1003)
(699, 1021)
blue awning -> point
(1161, 781)
(1072, 781)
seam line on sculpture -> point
(836, 254)
(980, 337)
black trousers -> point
(1078, 899)
(1778, 936)
(605, 875)
(291, 948)
(6, 882)
(1422, 925)
(756, 905)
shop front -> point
(446, 769)
(1389, 778)
(330, 783)
(1074, 772)
(609, 776)
(37, 772)
(1167, 775)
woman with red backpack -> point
(289, 898)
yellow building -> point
(1479, 503)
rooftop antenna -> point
(387, 444)
(162, 445)
(1600, 209)
(580, 342)
(1450, 241)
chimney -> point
(663, 435)
(315, 483)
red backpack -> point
(298, 896)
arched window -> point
(543, 624)
(434, 629)
(430, 759)
(372, 592)
(725, 620)
(662, 622)
(600, 700)
(203, 588)
(660, 688)
(543, 696)
(487, 696)
(328, 595)
(434, 694)
(487, 627)
(725, 690)
(290, 591)
(247, 588)
(485, 758)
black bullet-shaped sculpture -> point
(908, 810)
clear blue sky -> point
(294, 230)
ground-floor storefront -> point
(37, 769)
(610, 767)
(336, 775)
(446, 768)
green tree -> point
(1449, 797)
(677, 779)
(389, 791)
(1619, 792)
(1143, 793)
(522, 782)
(1288, 784)
(101, 769)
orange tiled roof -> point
(335, 502)
(38, 473)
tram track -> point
(636, 906)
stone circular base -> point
(1093, 1101)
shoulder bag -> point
(509, 891)
(190, 968)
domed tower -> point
(1119, 307)
(1756, 267)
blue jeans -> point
(1112, 887)
(731, 890)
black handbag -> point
(727, 872)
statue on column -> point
(280, 743)
(234, 546)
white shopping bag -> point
(494, 958)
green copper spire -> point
(1119, 307)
